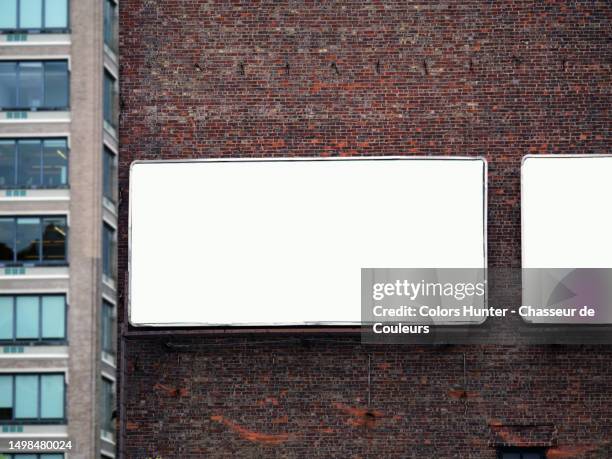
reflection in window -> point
(54, 239)
(33, 240)
(34, 15)
(32, 317)
(33, 163)
(32, 85)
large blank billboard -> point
(270, 242)
(566, 236)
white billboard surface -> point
(281, 242)
(566, 214)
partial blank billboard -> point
(272, 242)
(567, 236)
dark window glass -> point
(110, 99)
(110, 174)
(108, 327)
(56, 84)
(108, 405)
(34, 15)
(108, 251)
(32, 85)
(110, 24)
(33, 163)
(27, 242)
(32, 396)
(7, 163)
(34, 240)
(7, 240)
(55, 163)
(8, 84)
(28, 163)
(54, 239)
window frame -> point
(114, 32)
(41, 140)
(518, 450)
(40, 340)
(112, 249)
(107, 410)
(108, 311)
(38, 419)
(44, 63)
(113, 99)
(40, 261)
(43, 28)
(108, 153)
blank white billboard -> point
(268, 242)
(566, 211)
(566, 237)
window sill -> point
(34, 116)
(34, 194)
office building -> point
(58, 220)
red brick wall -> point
(490, 78)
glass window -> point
(26, 396)
(56, 14)
(110, 174)
(30, 14)
(8, 85)
(54, 239)
(28, 163)
(7, 240)
(6, 397)
(32, 317)
(51, 396)
(8, 18)
(56, 84)
(110, 99)
(32, 396)
(108, 405)
(33, 240)
(53, 317)
(55, 163)
(108, 249)
(110, 24)
(27, 241)
(108, 327)
(6, 317)
(8, 151)
(34, 85)
(27, 312)
(30, 85)
(34, 163)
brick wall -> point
(497, 79)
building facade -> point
(58, 220)
(500, 80)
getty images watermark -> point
(501, 306)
